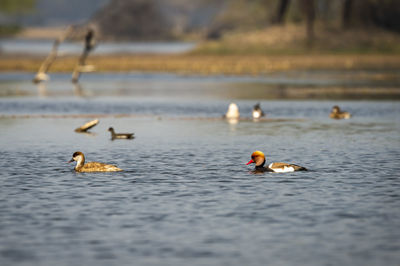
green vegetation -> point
(288, 27)
(17, 6)
(14, 7)
(8, 30)
(291, 40)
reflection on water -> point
(232, 121)
(292, 85)
(186, 195)
(42, 89)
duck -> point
(257, 111)
(233, 111)
(258, 158)
(120, 135)
(336, 113)
(81, 166)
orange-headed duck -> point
(258, 158)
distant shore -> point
(207, 64)
(41, 33)
(258, 52)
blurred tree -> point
(140, 19)
(309, 11)
(163, 19)
(17, 6)
(361, 13)
(382, 13)
(10, 8)
(281, 11)
(346, 13)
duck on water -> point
(233, 111)
(120, 135)
(336, 113)
(257, 111)
(258, 158)
(81, 166)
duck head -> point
(257, 158)
(111, 129)
(335, 109)
(78, 157)
(257, 107)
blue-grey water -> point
(185, 196)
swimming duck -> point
(257, 111)
(120, 135)
(336, 113)
(233, 111)
(81, 166)
(258, 158)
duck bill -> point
(70, 161)
(251, 161)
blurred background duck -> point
(120, 135)
(258, 158)
(336, 113)
(81, 166)
(257, 111)
(233, 111)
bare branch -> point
(44, 68)
(82, 67)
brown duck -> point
(81, 166)
(336, 113)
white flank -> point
(256, 114)
(285, 169)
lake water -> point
(185, 196)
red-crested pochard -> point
(258, 158)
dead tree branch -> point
(41, 75)
(82, 67)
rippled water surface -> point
(186, 196)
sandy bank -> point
(210, 64)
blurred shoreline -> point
(40, 33)
(207, 64)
